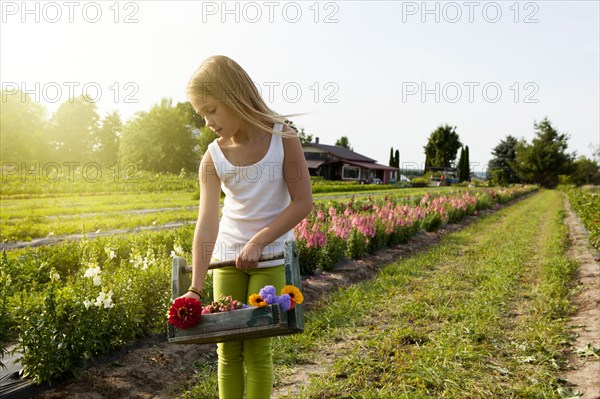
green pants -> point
(246, 364)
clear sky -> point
(383, 73)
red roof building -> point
(334, 162)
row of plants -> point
(586, 204)
(27, 219)
(67, 304)
(56, 179)
(334, 230)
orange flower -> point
(257, 300)
(294, 293)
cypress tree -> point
(461, 165)
(467, 165)
(391, 163)
(397, 159)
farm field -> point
(24, 219)
(439, 328)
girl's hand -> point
(190, 294)
(249, 256)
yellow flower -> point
(257, 300)
(294, 293)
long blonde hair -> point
(222, 78)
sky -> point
(383, 73)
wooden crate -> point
(240, 324)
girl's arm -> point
(300, 189)
(207, 225)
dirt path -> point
(585, 372)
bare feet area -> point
(584, 374)
(162, 370)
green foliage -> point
(304, 138)
(105, 147)
(585, 171)
(159, 140)
(502, 166)
(22, 127)
(66, 317)
(464, 168)
(72, 130)
(586, 204)
(419, 182)
(6, 317)
(344, 142)
(441, 148)
(546, 158)
(206, 136)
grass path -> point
(479, 316)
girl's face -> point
(218, 116)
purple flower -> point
(267, 290)
(285, 302)
(268, 294)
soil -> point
(160, 370)
(584, 372)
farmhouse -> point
(334, 162)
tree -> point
(72, 130)
(23, 124)
(502, 166)
(344, 142)
(397, 159)
(159, 140)
(205, 136)
(467, 165)
(441, 147)
(392, 159)
(304, 138)
(106, 140)
(546, 158)
(461, 165)
(585, 171)
(194, 120)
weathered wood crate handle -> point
(243, 324)
(226, 263)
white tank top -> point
(255, 195)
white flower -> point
(97, 280)
(87, 304)
(54, 276)
(104, 300)
(112, 254)
(50, 234)
(92, 272)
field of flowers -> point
(61, 303)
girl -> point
(259, 164)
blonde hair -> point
(222, 78)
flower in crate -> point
(285, 302)
(295, 295)
(185, 313)
(269, 294)
(257, 300)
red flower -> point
(185, 313)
